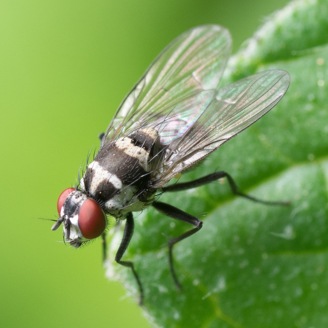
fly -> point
(174, 117)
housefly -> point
(174, 117)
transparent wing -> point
(169, 90)
(234, 108)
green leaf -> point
(253, 265)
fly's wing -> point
(233, 109)
(168, 94)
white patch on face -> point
(129, 149)
(101, 175)
(78, 198)
(74, 230)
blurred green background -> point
(65, 66)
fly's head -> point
(82, 217)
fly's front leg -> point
(177, 214)
(104, 246)
(127, 235)
(101, 137)
(217, 176)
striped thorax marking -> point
(119, 174)
(100, 175)
(139, 145)
(127, 146)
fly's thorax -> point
(121, 173)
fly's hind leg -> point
(217, 176)
(177, 214)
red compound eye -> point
(92, 220)
(62, 197)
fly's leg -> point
(127, 235)
(217, 176)
(104, 246)
(177, 214)
(101, 137)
